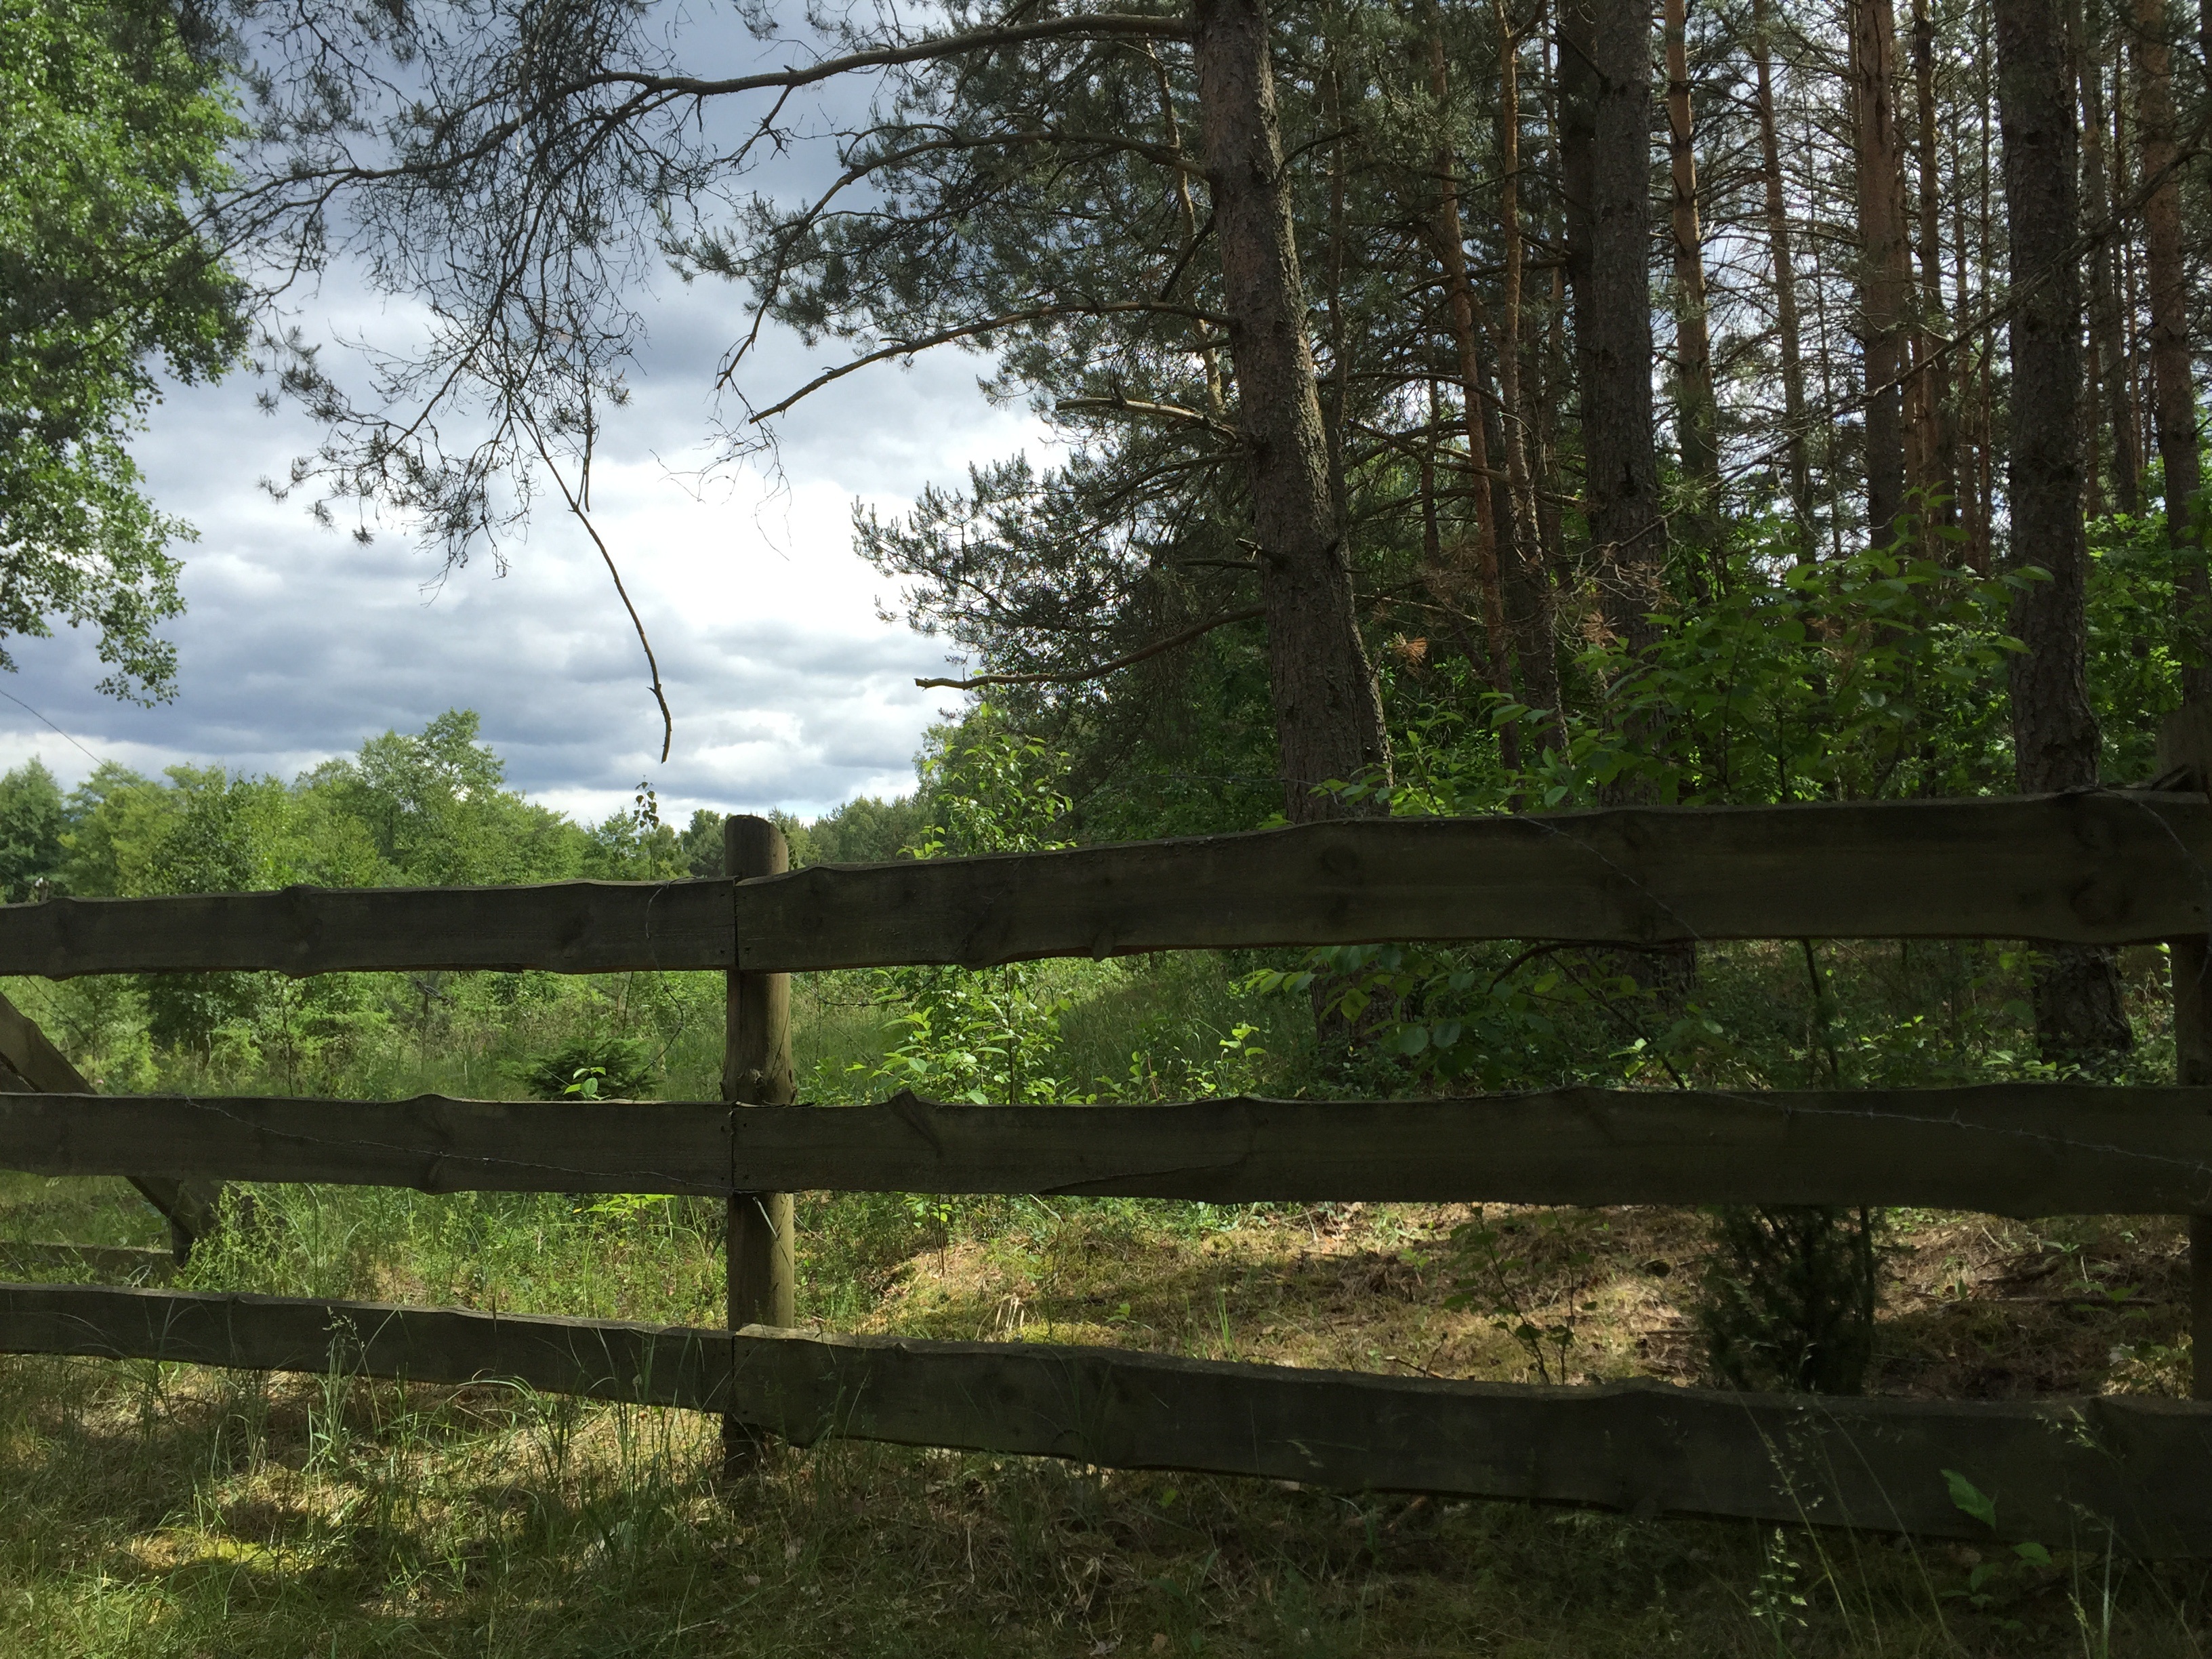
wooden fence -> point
(2100, 867)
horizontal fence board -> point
(569, 927)
(2005, 1148)
(2106, 868)
(432, 1143)
(2063, 1472)
(2013, 1149)
(606, 1359)
(2098, 868)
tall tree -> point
(1328, 720)
(1696, 409)
(112, 131)
(1931, 366)
(1450, 238)
(1531, 610)
(2055, 740)
(1605, 128)
(1883, 283)
(1782, 265)
(2112, 374)
(2172, 381)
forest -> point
(1454, 410)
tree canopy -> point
(112, 131)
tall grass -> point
(165, 1510)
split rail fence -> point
(2111, 868)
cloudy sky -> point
(787, 689)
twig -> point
(584, 518)
(1078, 676)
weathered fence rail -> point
(2095, 1472)
(2100, 867)
(2095, 867)
(2017, 1149)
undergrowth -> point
(166, 1510)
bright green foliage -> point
(32, 818)
(594, 1068)
(1877, 674)
(2134, 657)
(1873, 675)
(109, 128)
(990, 1036)
(438, 814)
(865, 830)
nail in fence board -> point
(2102, 868)
(2062, 1472)
(2010, 1149)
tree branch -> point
(1154, 649)
(584, 518)
(989, 324)
(1162, 411)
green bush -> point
(1788, 1300)
(593, 1068)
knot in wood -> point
(2101, 901)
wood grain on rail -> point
(2105, 867)
(2012, 1149)
(2102, 868)
(569, 927)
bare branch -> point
(584, 518)
(988, 325)
(1158, 412)
(1156, 648)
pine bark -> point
(1785, 281)
(1939, 441)
(2105, 290)
(1884, 281)
(1697, 408)
(1605, 127)
(1531, 613)
(1328, 717)
(1450, 241)
(2173, 388)
(2078, 1014)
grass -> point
(175, 1512)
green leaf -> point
(1970, 1498)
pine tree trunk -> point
(1940, 441)
(1451, 254)
(2078, 1015)
(2173, 388)
(1785, 282)
(1696, 409)
(1530, 609)
(1328, 717)
(1605, 128)
(2104, 289)
(1883, 283)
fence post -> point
(756, 1072)
(2184, 745)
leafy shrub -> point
(593, 1068)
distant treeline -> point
(429, 808)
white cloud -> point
(787, 689)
